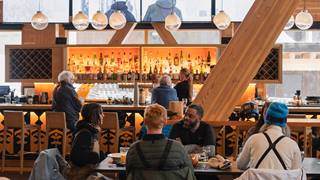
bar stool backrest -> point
(13, 119)
(176, 106)
(110, 121)
(56, 120)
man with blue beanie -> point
(272, 148)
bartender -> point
(65, 99)
(184, 87)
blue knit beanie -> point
(277, 114)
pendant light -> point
(99, 19)
(80, 21)
(117, 20)
(289, 24)
(39, 21)
(221, 20)
(172, 22)
(304, 19)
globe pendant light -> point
(39, 21)
(289, 24)
(304, 19)
(99, 20)
(80, 21)
(172, 22)
(117, 20)
(221, 20)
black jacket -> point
(182, 89)
(65, 99)
(82, 146)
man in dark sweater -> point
(192, 131)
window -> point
(6, 38)
(20, 11)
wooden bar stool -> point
(13, 120)
(176, 106)
(111, 121)
(57, 120)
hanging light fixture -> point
(304, 19)
(117, 20)
(289, 24)
(172, 21)
(221, 20)
(80, 21)
(39, 21)
(99, 19)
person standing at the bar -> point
(184, 87)
(65, 99)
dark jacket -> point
(65, 99)
(121, 5)
(163, 95)
(177, 166)
(82, 146)
(182, 89)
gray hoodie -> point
(160, 10)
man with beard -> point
(192, 132)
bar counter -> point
(106, 107)
(47, 107)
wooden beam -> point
(243, 57)
(121, 34)
(165, 35)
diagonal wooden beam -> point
(243, 56)
(121, 34)
(165, 35)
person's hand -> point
(96, 147)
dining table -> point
(310, 165)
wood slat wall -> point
(121, 34)
(243, 56)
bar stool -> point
(176, 106)
(111, 121)
(13, 120)
(57, 120)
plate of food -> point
(118, 158)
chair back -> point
(273, 174)
(176, 106)
(13, 119)
(55, 120)
(110, 121)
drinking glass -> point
(208, 152)
(185, 101)
(123, 152)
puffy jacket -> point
(121, 5)
(65, 99)
(160, 10)
(177, 166)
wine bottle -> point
(176, 60)
(209, 59)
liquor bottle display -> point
(126, 63)
(163, 60)
(121, 64)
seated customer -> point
(164, 93)
(192, 131)
(156, 156)
(85, 146)
(272, 148)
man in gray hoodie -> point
(160, 10)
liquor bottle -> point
(209, 59)
(112, 59)
(155, 71)
(100, 74)
(161, 71)
(181, 58)
(136, 75)
(176, 60)
(150, 74)
(100, 60)
(197, 75)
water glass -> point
(123, 152)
